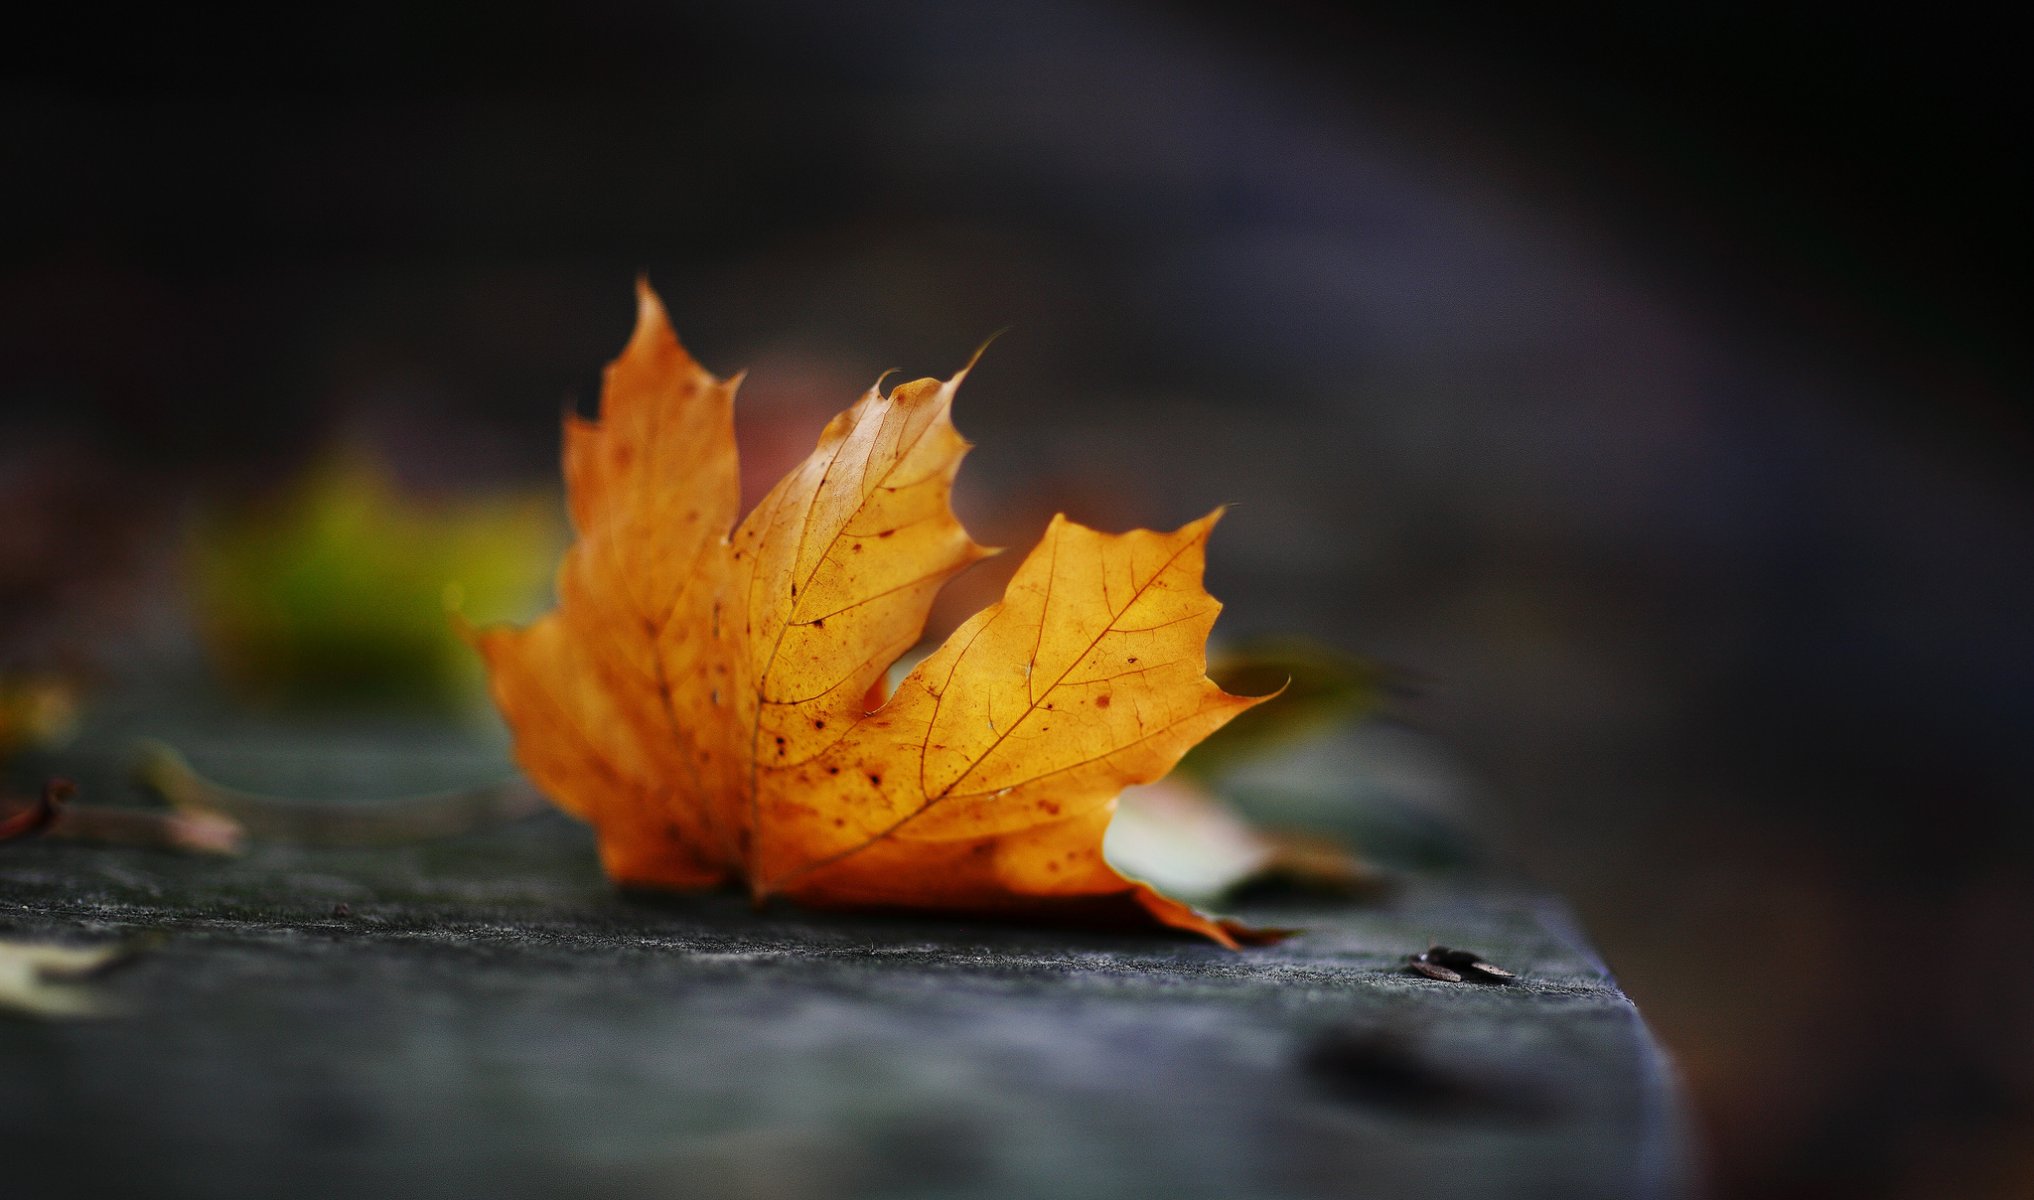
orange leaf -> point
(703, 698)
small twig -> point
(160, 829)
(350, 823)
(153, 828)
(40, 815)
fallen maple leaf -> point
(714, 704)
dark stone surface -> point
(489, 1018)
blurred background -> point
(1643, 384)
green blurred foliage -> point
(341, 593)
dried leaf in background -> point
(1180, 837)
(40, 979)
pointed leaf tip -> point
(653, 322)
(979, 351)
